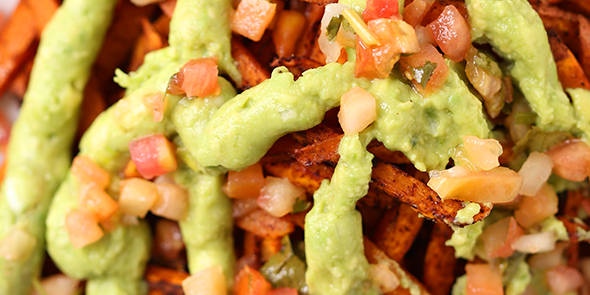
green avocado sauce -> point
(39, 148)
(516, 32)
(333, 228)
(117, 261)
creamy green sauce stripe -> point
(39, 148)
(516, 32)
(116, 262)
(336, 263)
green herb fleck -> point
(422, 74)
(285, 269)
(332, 28)
(300, 205)
(539, 141)
(525, 118)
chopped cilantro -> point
(538, 140)
(422, 74)
(525, 118)
(300, 205)
(332, 28)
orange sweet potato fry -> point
(324, 151)
(573, 202)
(92, 105)
(43, 11)
(418, 195)
(321, 2)
(584, 54)
(565, 24)
(17, 42)
(162, 25)
(252, 72)
(168, 7)
(148, 41)
(313, 16)
(19, 84)
(397, 230)
(269, 247)
(570, 72)
(439, 261)
(265, 225)
(163, 281)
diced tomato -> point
(571, 160)
(98, 201)
(498, 237)
(452, 33)
(416, 61)
(483, 279)
(381, 9)
(88, 172)
(252, 18)
(199, 78)
(83, 228)
(415, 11)
(283, 291)
(137, 196)
(245, 183)
(153, 155)
(395, 37)
(533, 210)
(250, 282)
(564, 279)
(156, 103)
(357, 110)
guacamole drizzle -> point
(516, 32)
(333, 228)
(39, 148)
(116, 262)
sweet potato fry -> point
(43, 11)
(578, 6)
(163, 281)
(92, 105)
(252, 72)
(269, 247)
(570, 72)
(324, 151)
(162, 25)
(251, 244)
(584, 54)
(118, 44)
(418, 195)
(265, 225)
(397, 230)
(168, 7)
(317, 134)
(19, 83)
(565, 24)
(439, 261)
(573, 226)
(148, 41)
(573, 203)
(313, 16)
(310, 178)
(376, 255)
(17, 42)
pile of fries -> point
(404, 220)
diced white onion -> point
(482, 153)
(241, 207)
(278, 196)
(535, 171)
(357, 110)
(17, 244)
(137, 196)
(535, 243)
(58, 285)
(172, 201)
(383, 277)
(330, 49)
(208, 281)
